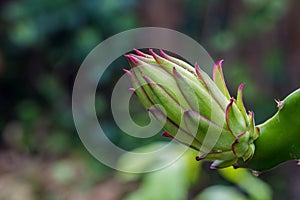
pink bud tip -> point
(140, 53)
(153, 53)
(166, 134)
(219, 63)
(130, 58)
(127, 72)
(241, 87)
(131, 90)
(155, 56)
(218, 66)
(163, 54)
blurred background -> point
(42, 46)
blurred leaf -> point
(58, 142)
(24, 33)
(256, 188)
(223, 40)
(63, 172)
(170, 183)
(129, 162)
(50, 87)
(86, 39)
(28, 111)
(220, 192)
(274, 65)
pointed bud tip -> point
(154, 55)
(219, 63)
(128, 72)
(133, 58)
(127, 56)
(151, 52)
(242, 86)
(166, 134)
(140, 53)
(163, 54)
(131, 90)
(217, 67)
(130, 58)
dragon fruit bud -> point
(194, 107)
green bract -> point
(196, 110)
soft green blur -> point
(42, 45)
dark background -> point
(44, 42)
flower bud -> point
(198, 111)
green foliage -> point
(44, 43)
(174, 181)
(253, 186)
(171, 182)
(220, 192)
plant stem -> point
(280, 136)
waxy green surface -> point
(279, 139)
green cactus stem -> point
(279, 139)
